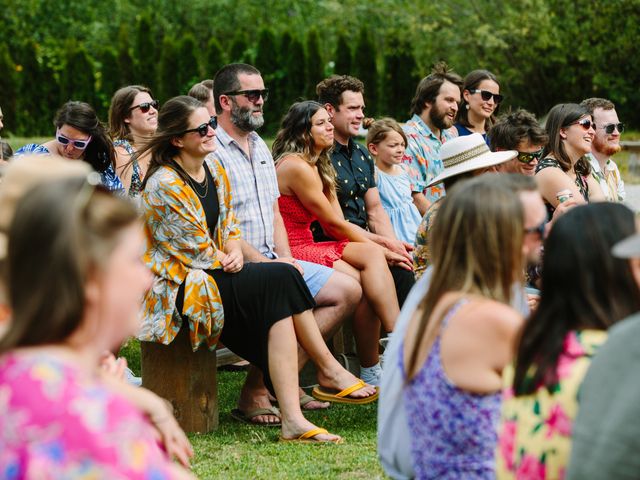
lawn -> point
(237, 450)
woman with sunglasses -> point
(133, 119)
(480, 100)
(564, 171)
(194, 250)
(585, 290)
(81, 136)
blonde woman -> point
(462, 334)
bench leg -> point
(186, 378)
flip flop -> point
(308, 437)
(307, 399)
(343, 396)
(248, 416)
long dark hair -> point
(471, 82)
(81, 116)
(294, 136)
(173, 120)
(583, 287)
(46, 279)
(561, 116)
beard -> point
(439, 118)
(243, 118)
(606, 148)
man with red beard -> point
(605, 144)
(434, 107)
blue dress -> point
(108, 177)
(395, 195)
(463, 131)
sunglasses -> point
(204, 128)
(252, 95)
(528, 157)
(539, 229)
(146, 106)
(486, 95)
(79, 144)
(610, 127)
(585, 123)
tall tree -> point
(168, 80)
(8, 88)
(239, 50)
(188, 71)
(78, 81)
(400, 80)
(365, 68)
(125, 60)
(215, 58)
(146, 56)
(109, 80)
(343, 57)
(296, 80)
(314, 70)
(267, 62)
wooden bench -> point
(187, 379)
(633, 147)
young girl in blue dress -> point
(387, 142)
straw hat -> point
(468, 153)
(26, 172)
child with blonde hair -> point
(387, 142)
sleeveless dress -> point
(297, 221)
(581, 182)
(136, 176)
(395, 195)
(453, 432)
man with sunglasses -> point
(605, 144)
(239, 96)
(519, 131)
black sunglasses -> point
(204, 128)
(538, 229)
(146, 106)
(610, 127)
(585, 123)
(486, 95)
(528, 157)
(252, 95)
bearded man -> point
(606, 143)
(434, 108)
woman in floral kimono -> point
(585, 290)
(194, 250)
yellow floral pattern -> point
(179, 250)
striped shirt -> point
(254, 188)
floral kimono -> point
(179, 250)
(535, 430)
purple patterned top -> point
(453, 431)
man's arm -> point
(421, 202)
(280, 237)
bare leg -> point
(255, 395)
(284, 376)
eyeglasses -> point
(252, 95)
(204, 128)
(486, 95)
(538, 229)
(146, 106)
(528, 157)
(610, 127)
(585, 123)
(79, 144)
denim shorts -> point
(315, 275)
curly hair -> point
(330, 89)
(515, 127)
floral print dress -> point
(535, 430)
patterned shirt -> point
(422, 252)
(610, 180)
(108, 177)
(58, 422)
(136, 175)
(423, 156)
(355, 176)
(254, 186)
(535, 430)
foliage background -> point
(543, 51)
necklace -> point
(203, 185)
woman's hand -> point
(231, 260)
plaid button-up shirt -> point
(254, 187)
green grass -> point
(238, 450)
